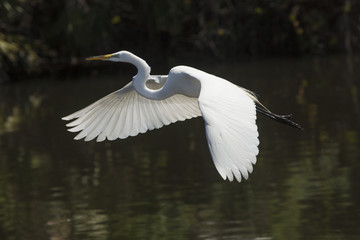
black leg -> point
(284, 119)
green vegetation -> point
(34, 34)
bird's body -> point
(152, 101)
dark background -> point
(299, 57)
(43, 37)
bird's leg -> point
(284, 119)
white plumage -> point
(150, 102)
(126, 113)
(231, 130)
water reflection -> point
(162, 185)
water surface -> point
(163, 184)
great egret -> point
(152, 101)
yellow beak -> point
(102, 57)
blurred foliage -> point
(36, 33)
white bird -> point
(152, 101)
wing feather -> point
(120, 128)
(231, 131)
(110, 128)
(99, 123)
(228, 110)
(126, 113)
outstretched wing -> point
(126, 113)
(231, 131)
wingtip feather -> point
(66, 118)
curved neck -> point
(139, 80)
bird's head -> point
(121, 56)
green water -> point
(163, 184)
